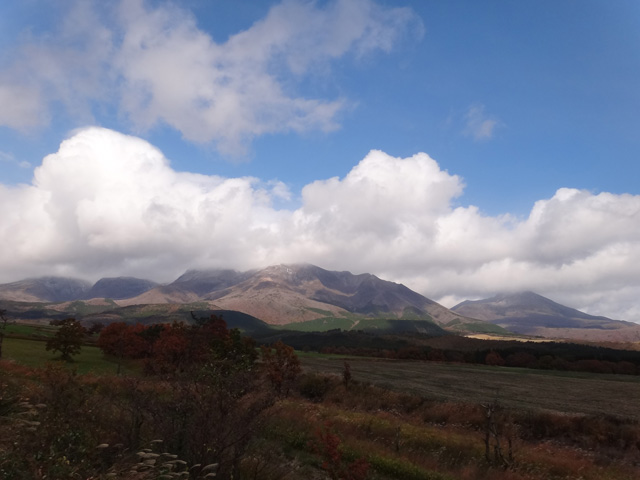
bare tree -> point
(498, 436)
(346, 375)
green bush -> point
(399, 468)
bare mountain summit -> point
(119, 288)
(295, 293)
(532, 314)
(192, 286)
(44, 289)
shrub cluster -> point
(202, 402)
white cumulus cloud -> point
(110, 204)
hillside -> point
(528, 313)
(119, 288)
(278, 295)
(308, 298)
(286, 294)
(44, 289)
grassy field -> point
(30, 330)
(565, 392)
(513, 337)
(321, 324)
(34, 354)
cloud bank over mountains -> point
(110, 204)
(163, 69)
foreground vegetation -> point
(59, 425)
(221, 410)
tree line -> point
(457, 349)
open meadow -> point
(564, 392)
(520, 388)
(33, 353)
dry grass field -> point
(423, 421)
(564, 392)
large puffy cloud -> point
(107, 202)
(110, 204)
(163, 68)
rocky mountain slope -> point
(285, 294)
(119, 288)
(281, 294)
(532, 314)
(44, 289)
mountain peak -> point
(48, 289)
(119, 288)
(532, 314)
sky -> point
(463, 148)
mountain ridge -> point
(118, 288)
(529, 313)
(278, 294)
(301, 293)
(45, 289)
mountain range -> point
(61, 289)
(303, 288)
(308, 297)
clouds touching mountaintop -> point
(110, 204)
(143, 101)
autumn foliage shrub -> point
(281, 365)
(124, 340)
(314, 386)
(207, 407)
(175, 347)
(494, 359)
(327, 445)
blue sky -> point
(527, 113)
